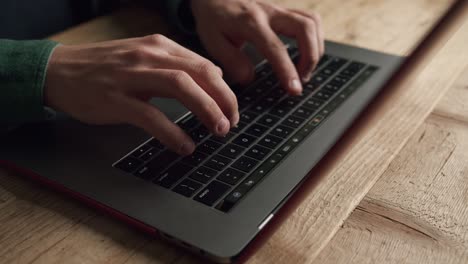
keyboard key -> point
(168, 178)
(257, 152)
(325, 58)
(336, 63)
(199, 134)
(303, 112)
(129, 164)
(224, 139)
(276, 94)
(290, 102)
(275, 159)
(340, 79)
(352, 69)
(318, 79)
(268, 120)
(305, 93)
(213, 192)
(189, 122)
(218, 162)
(313, 103)
(195, 158)
(316, 120)
(141, 150)
(270, 141)
(293, 121)
(240, 191)
(327, 71)
(244, 140)
(310, 87)
(247, 117)
(187, 187)
(322, 95)
(256, 130)
(281, 131)
(259, 108)
(332, 87)
(209, 146)
(279, 111)
(155, 144)
(245, 100)
(157, 165)
(245, 164)
(231, 151)
(149, 154)
(239, 127)
(203, 174)
(231, 176)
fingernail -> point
(223, 126)
(187, 148)
(308, 74)
(307, 77)
(295, 86)
(220, 72)
(235, 120)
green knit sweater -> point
(23, 66)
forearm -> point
(23, 66)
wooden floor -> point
(393, 190)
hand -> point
(224, 26)
(111, 83)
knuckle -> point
(179, 78)
(206, 67)
(138, 55)
(316, 16)
(308, 25)
(252, 15)
(157, 39)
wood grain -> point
(394, 26)
(416, 212)
(39, 226)
(348, 177)
(390, 26)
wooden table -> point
(394, 188)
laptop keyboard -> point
(222, 170)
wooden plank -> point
(365, 154)
(42, 227)
(416, 212)
(454, 104)
(390, 26)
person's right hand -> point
(112, 82)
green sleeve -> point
(23, 66)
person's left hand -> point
(224, 26)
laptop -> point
(215, 201)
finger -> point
(203, 73)
(234, 61)
(153, 121)
(318, 22)
(179, 85)
(175, 49)
(275, 52)
(304, 30)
